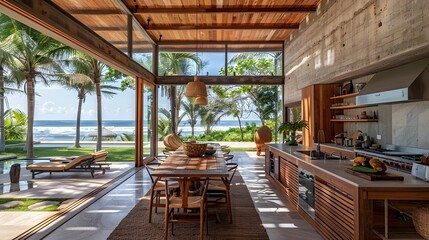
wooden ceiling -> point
(184, 22)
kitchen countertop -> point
(333, 145)
(336, 169)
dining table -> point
(179, 165)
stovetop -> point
(393, 153)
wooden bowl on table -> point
(194, 149)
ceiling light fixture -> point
(197, 89)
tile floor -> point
(99, 219)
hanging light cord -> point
(197, 5)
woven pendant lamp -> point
(196, 88)
(201, 100)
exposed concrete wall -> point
(347, 39)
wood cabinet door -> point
(288, 177)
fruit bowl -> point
(194, 149)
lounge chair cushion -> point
(100, 155)
(47, 166)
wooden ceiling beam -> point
(210, 10)
(95, 12)
(224, 27)
(179, 42)
(222, 80)
(136, 24)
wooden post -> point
(139, 123)
(130, 35)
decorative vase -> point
(292, 140)
(172, 142)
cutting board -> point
(375, 176)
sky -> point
(56, 103)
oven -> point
(306, 191)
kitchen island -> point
(339, 204)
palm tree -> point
(33, 56)
(95, 70)
(15, 122)
(3, 59)
(84, 86)
(191, 110)
(237, 104)
(212, 113)
(165, 123)
(177, 64)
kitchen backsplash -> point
(405, 124)
(410, 123)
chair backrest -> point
(81, 160)
(151, 167)
(185, 184)
(232, 168)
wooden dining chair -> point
(218, 194)
(228, 157)
(186, 202)
(157, 191)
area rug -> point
(246, 222)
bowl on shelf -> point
(194, 149)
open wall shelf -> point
(354, 120)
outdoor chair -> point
(196, 203)
(83, 163)
(218, 190)
(157, 189)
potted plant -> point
(290, 128)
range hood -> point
(409, 82)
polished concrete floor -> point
(99, 219)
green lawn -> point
(29, 202)
(116, 154)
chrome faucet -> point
(318, 139)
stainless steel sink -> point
(314, 155)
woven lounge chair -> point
(82, 163)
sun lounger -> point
(84, 163)
(98, 156)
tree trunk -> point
(173, 109)
(99, 115)
(30, 113)
(276, 119)
(241, 129)
(2, 130)
(79, 113)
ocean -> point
(65, 130)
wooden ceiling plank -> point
(95, 12)
(210, 10)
